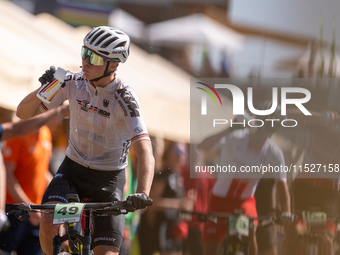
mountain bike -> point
(70, 214)
(239, 226)
(312, 221)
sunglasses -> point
(95, 59)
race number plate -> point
(239, 225)
(67, 213)
(314, 218)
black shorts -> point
(93, 186)
(265, 236)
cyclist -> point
(9, 130)
(245, 147)
(105, 120)
(316, 189)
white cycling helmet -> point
(108, 42)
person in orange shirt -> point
(10, 130)
(26, 161)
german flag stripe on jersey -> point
(140, 138)
(43, 107)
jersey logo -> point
(121, 105)
(87, 107)
(130, 101)
(138, 130)
(73, 77)
(106, 103)
(84, 105)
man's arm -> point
(145, 166)
(25, 127)
(210, 141)
(29, 106)
(2, 185)
(16, 191)
(13, 186)
(283, 196)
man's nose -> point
(86, 60)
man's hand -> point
(47, 76)
(140, 200)
(287, 218)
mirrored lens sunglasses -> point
(95, 59)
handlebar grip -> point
(149, 202)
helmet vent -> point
(108, 42)
(92, 33)
(122, 44)
(104, 52)
(102, 39)
(96, 36)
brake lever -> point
(23, 213)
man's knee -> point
(105, 249)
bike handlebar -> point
(108, 208)
(262, 220)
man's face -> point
(91, 71)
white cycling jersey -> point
(238, 151)
(104, 122)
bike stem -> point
(74, 234)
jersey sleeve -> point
(130, 112)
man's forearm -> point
(25, 127)
(283, 196)
(145, 173)
(29, 106)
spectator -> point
(198, 189)
(26, 161)
(161, 228)
(11, 130)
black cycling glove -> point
(47, 76)
(139, 200)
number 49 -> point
(71, 210)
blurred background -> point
(173, 41)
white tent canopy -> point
(124, 21)
(31, 44)
(195, 29)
